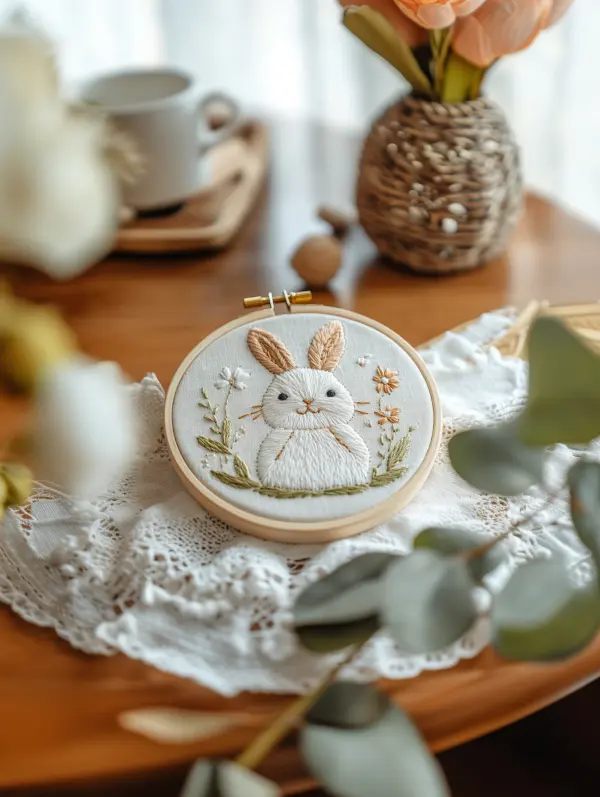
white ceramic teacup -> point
(162, 110)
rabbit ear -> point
(270, 351)
(327, 347)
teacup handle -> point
(207, 137)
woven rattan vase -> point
(439, 186)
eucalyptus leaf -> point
(373, 29)
(564, 387)
(427, 601)
(209, 778)
(346, 704)
(451, 541)
(342, 608)
(385, 758)
(541, 616)
(584, 485)
(495, 461)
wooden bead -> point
(339, 221)
(318, 259)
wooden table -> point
(57, 706)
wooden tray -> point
(211, 218)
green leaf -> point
(541, 616)
(373, 29)
(342, 608)
(451, 541)
(426, 601)
(387, 477)
(234, 481)
(564, 387)
(495, 461)
(346, 704)
(584, 485)
(214, 446)
(226, 779)
(240, 467)
(461, 79)
(398, 452)
(386, 757)
(227, 432)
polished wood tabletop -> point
(58, 707)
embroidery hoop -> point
(274, 529)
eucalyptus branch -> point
(260, 747)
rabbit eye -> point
(282, 396)
(330, 393)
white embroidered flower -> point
(362, 361)
(227, 378)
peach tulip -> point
(433, 14)
(498, 28)
(408, 31)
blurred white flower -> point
(58, 196)
(85, 429)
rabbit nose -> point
(308, 402)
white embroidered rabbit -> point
(312, 446)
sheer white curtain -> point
(292, 57)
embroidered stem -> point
(226, 429)
(260, 747)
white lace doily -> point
(146, 571)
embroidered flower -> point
(388, 415)
(229, 378)
(362, 361)
(385, 380)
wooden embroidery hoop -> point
(288, 531)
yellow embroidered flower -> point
(388, 415)
(385, 380)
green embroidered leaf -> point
(235, 481)
(398, 452)
(227, 432)
(389, 476)
(240, 467)
(204, 404)
(209, 418)
(214, 446)
(215, 430)
(204, 394)
(564, 387)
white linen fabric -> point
(147, 572)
